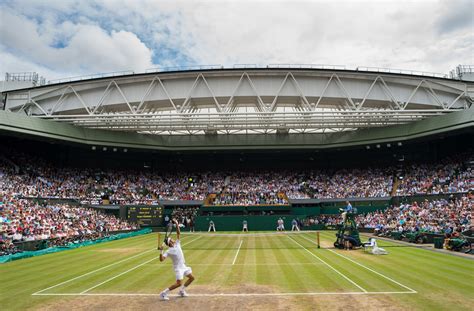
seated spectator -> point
(436, 216)
(26, 220)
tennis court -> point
(282, 268)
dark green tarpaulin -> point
(51, 250)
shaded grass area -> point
(264, 265)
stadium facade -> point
(212, 108)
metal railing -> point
(21, 76)
(184, 68)
(461, 70)
(32, 77)
(93, 76)
(256, 66)
(307, 66)
(402, 71)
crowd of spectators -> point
(38, 178)
(249, 198)
(327, 220)
(23, 175)
(448, 176)
(24, 220)
(346, 183)
(257, 188)
(436, 216)
(142, 187)
(186, 216)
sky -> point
(66, 38)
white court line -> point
(253, 264)
(337, 271)
(238, 250)
(363, 266)
(252, 234)
(227, 294)
(94, 271)
(131, 269)
(114, 277)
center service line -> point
(235, 258)
(337, 271)
(131, 269)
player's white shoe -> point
(164, 296)
(183, 293)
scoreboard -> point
(149, 215)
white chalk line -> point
(93, 271)
(363, 266)
(411, 291)
(226, 294)
(237, 254)
(131, 269)
(246, 234)
(252, 264)
(334, 269)
(118, 275)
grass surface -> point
(263, 271)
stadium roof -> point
(274, 99)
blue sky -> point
(63, 38)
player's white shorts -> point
(181, 273)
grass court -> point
(235, 271)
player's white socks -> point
(166, 291)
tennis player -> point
(245, 226)
(180, 269)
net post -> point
(158, 244)
(317, 237)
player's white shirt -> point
(176, 255)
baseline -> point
(227, 294)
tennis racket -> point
(169, 230)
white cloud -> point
(12, 63)
(114, 35)
(388, 34)
(87, 48)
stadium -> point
(284, 186)
(234, 145)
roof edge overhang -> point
(16, 124)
